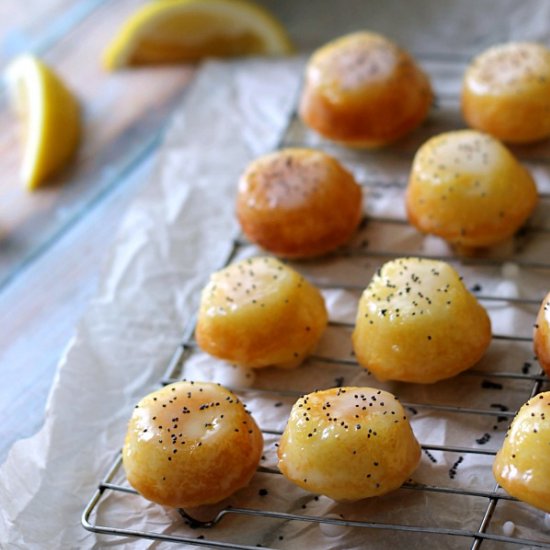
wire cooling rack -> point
(478, 403)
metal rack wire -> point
(530, 383)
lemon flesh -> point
(170, 31)
(50, 115)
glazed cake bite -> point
(298, 203)
(468, 189)
(522, 465)
(365, 91)
(417, 322)
(190, 444)
(506, 92)
(348, 443)
(541, 335)
(259, 313)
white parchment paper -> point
(179, 230)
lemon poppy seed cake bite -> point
(259, 312)
(348, 443)
(363, 90)
(298, 203)
(541, 335)
(417, 322)
(522, 465)
(467, 188)
(190, 444)
(506, 92)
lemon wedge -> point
(170, 31)
(50, 115)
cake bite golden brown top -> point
(522, 465)
(506, 92)
(298, 203)
(348, 443)
(364, 90)
(417, 322)
(190, 444)
(259, 313)
(468, 188)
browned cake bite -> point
(259, 313)
(541, 336)
(298, 203)
(522, 465)
(467, 188)
(363, 90)
(417, 322)
(506, 92)
(191, 444)
(348, 443)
